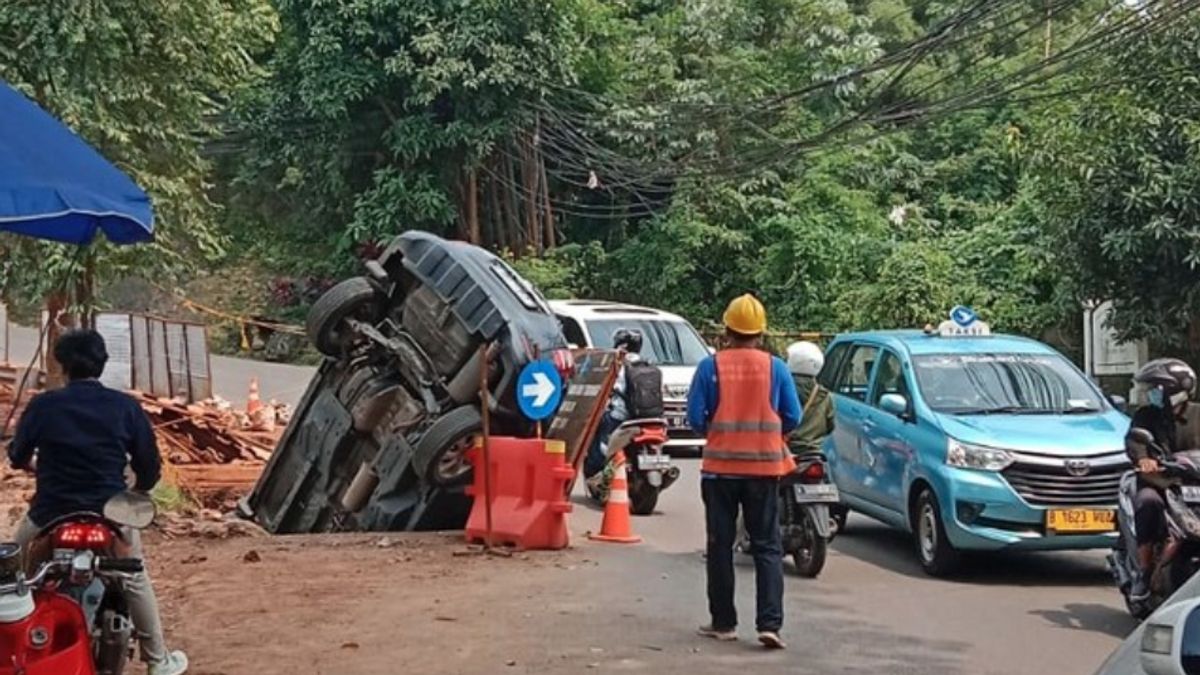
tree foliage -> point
(144, 81)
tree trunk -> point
(472, 188)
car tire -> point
(936, 554)
(356, 298)
(440, 455)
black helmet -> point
(1175, 378)
(629, 340)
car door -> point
(850, 467)
(885, 434)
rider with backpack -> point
(637, 394)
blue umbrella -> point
(55, 186)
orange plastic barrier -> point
(529, 478)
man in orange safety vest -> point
(744, 401)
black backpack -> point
(643, 390)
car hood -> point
(1063, 435)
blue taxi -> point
(973, 441)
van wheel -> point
(440, 456)
(354, 298)
(938, 557)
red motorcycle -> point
(70, 616)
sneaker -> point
(1140, 590)
(717, 634)
(770, 639)
(176, 663)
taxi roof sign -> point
(963, 322)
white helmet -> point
(805, 358)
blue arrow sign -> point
(539, 390)
(963, 316)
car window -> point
(833, 361)
(974, 384)
(572, 331)
(855, 376)
(890, 378)
(664, 343)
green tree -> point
(1120, 175)
(145, 82)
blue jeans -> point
(758, 498)
(595, 458)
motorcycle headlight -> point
(967, 456)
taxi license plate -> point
(819, 493)
(1066, 521)
(652, 462)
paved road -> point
(872, 611)
(231, 376)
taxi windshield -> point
(1023, 384)
(664, 343)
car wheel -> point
(354, 298)
(938, 557)
(440, 456)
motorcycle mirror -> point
(131, 509)
(1141, 436)
(1171, 640)
(10, 561)
(1119, 403)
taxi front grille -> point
(1050, 483)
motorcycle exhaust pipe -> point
(112, 650)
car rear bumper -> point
(981, 511)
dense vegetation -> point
(856, 163)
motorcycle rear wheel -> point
(643, 496)
(810, 559)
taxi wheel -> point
(938, 557)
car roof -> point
(603, 309)
(919, 343)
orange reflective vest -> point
(745, 436)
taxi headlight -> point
(967, 456)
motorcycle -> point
(647, 467)
(69, 617)
(1176, 558)
(806, 497)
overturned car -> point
(379, 440)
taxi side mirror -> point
(895, 404)
(1171, 640)
(1119, 403)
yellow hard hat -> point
(746, 315)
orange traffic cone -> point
(617, 526)
(253, 402)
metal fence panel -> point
(118, 339)
(177, 360)
(199, 375)
(160, 381)
(140, 339)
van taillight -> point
(92, 536)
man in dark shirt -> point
(78, 440)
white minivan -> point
(668, 341)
